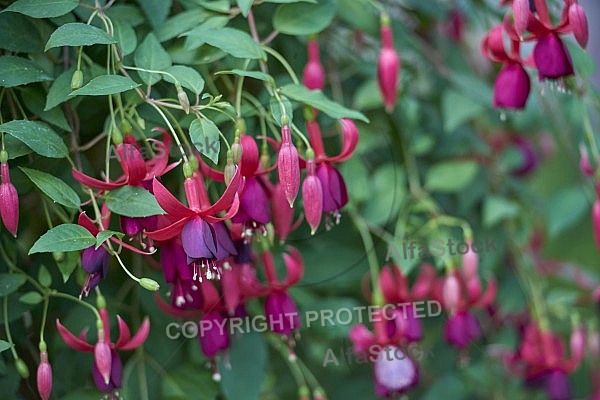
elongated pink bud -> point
(451, 292)
(577, 343)
(388, 66)
(579, 24)
(584, 162)
(102, 357)
(312, 196)
(473, 288)
(521, 15)
(9, 201)
(44, 377)
(470, 261)
(313, 76)
(288, 165)
(596, 221)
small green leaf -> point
(53, 187)
(37, 136)
(205, 137)
(156, 10)
(133, 201)
(450, 176)
(496, 209)
(188, 78)
(248, 74)
(317, 99)
(152, 56)
(232, 41)
(42, 8)
(106, 84)
(4, 345)
(65, 237)
(245, 6)
(78, 34)
(10, 283)
(303, 18)
(31, 298)
(60, 90)
(572, 199)
(457, 109)
(67, 263)
(125, 36)
(35, 99)
(16, 71)
(104, 235)
(44, 276)
(180, 23)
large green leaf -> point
(152, 56)
(205, 137)
(566, 208)
(304, 18)
(457, 109)
(65, 237)
(35, 100)
(106, 84)
(496, 209)
(22, 33)
(450, 176)
(10, 283)
(37, 136)
(180, 23)
(60, 89)
(55, 188)
(156, 10)
(42, 8)
(318, 100)
(126, 37)
(78, 34)
(188, 78)
(133, 201)
(232, 41)
(248, 359)
(15, 71)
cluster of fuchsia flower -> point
(530, 21)
(206, 247)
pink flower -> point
(552, 57)
(44, 377)
(512, 86)
(388, 66)
(288, 165)
(9, 201)
(313, 76)
(312, 197)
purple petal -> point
(193, 238)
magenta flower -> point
(9, 201)
(461, 329)
(107, 364)
(552, 58)
(313, 75)
(512, 86)
(44, 377)
(312, 197)
(215, 337)
(388, 66)
(288, 165)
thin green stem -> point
(283, 62)
(76, 300)
(370, 251)
(7, 329)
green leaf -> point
(31, 298)
(245, 6)
(67, 263)
(10, 283)
(106, 84)
(22, 33)
(177, 384)
(44, 276)
(37, 136)
(42, 8)
(15, 147)
(248, 74)
(496, 209)
(450, 176)
(15, 71)
(78, 34)
(125, 36)
(188, 78)
(152, 56)
(318, 100)
(180, 23)
(53, 187)
(303, 18)
(248, 359)
(133, 201)
(65, 237)
(205, 137)
(565, 209)
(34, 100)
(457, 109)
(4, 345)
(156, 10)
(232, 41)
(104, 235)
(60, 89)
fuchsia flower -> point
(9, 199)
(204, 236)
(313, 75)
(107, 365)
(312, 196)
(388, 66)
(288, 165)
(44, 377)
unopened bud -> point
(149, 284)
(126, 127)
(236, 151)
(58, 256)
(103, 357)
(44, 377)
(184, 101)
(141, 122)
(451, 292)
(77, 80)
(116, 136)
(579, 24)
(22, 368)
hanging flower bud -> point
(9, 199)
(451, 292)
(77, 80)
(102, 356)
(470, 260)
(512, 86)
(521, 15)
(288, 164)
(312, 194)
(229, 170)
(313, 76)
(236, 149)
(184, 101)
(577, 343)
(552, 58)
(596, 221)
(388, 66)
(44, 376)
(579, 24)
